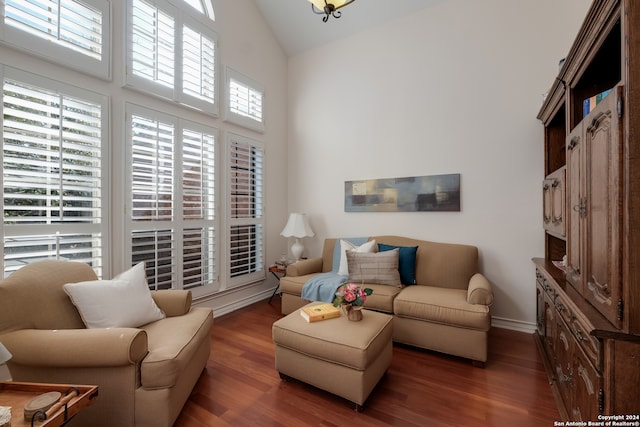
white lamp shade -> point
(297, 226)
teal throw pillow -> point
(406, 262)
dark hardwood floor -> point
(240, 386)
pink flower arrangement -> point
(352, 294)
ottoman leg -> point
(284, 377)
(359, 408)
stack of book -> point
(590, 103)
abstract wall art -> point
(412, 194)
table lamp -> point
(5, 375)
(298, 227)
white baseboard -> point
(228, 302)
(228, 308)
(515, 325)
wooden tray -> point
(17, 394)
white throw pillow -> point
(124, 302)
(348, 246)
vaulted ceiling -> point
(298, 29)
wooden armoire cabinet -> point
(588, 283)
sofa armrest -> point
(73, 348)
(173, 302)
(479, 291)
(304, 267)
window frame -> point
(182, 16)
(250, 84)
(177, 224)
(116, 224)
(58, 53)
(260, 273)
(60, 229)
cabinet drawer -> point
(590, 345)
(544, 284)
(564, 309)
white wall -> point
(249, 46)
(246, 44)
(454, 88)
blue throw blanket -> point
(322, 287)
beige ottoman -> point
(337, 355)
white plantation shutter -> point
(199, 258)
(72, 24)
(246, 208)
(173, 212)
(72, 32)
(152, 169)
(152, 141)
(199, 66)
(246, 252)
(153, 43)
(198, 174)
(245, 101)
(157, 249)
(52, 146)
(199, 255)
(20, 250)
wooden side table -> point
(17, 394)
(278, 273)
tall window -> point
(244, 106)
(246, 209)
(52, 171)
(172, 52)
(64, 31)
(58, 195)
(173, 210)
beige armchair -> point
(145, 374)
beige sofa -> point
(447, 310)
(145, 375)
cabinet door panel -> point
(558, 202)
(563, 350)
(575, 206)
(550, 326)
(553, 202)
(546, 203)
(587, 389)
(603, 209)
(540, 308)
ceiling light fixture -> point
(329, 8)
